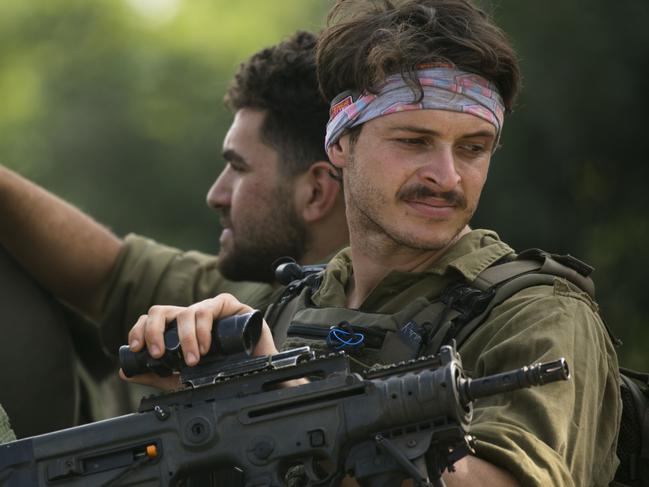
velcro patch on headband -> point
(337, 107)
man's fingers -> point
(155, 326)
(136, 335)
(196, 322)
(208, 311)
(227, 305)
(186, 322)
(204, 325)
(194, 327)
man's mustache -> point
(224, 216)
(418, 192)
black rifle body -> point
(351, 423)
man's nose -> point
(220, 193)
(440, 169)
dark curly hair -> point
(367, 40)
(282, 81)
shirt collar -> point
(469, 256)
(472, 254)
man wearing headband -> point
(418, 94)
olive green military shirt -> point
(148, 273)
(562, 434)
(6, 434)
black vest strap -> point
(530, 268)
(503, 293)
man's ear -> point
(316, 192)
(338, 152)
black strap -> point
(532, 267)
(641, 400)
(541, 262)
(502, 293)
(278, 315)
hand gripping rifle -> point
(408, 420)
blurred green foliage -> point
(570, 176)
(116, 105)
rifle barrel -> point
(528, 376)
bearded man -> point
(275, 198)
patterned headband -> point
(444, 88)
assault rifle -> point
(409, 420)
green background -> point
(116, 105)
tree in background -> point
(116, 106)
(570, 175)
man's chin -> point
(237, 268)
(227, 266)
(440, 238)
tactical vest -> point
(423, 326)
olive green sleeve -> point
(555, 434)
(6, 434)
(148, 273)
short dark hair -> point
(367, 40)
(282, 81)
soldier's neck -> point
(321, 255)
(373, 259)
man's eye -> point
(474, 149)
(407, 141)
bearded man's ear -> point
(316, 192)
